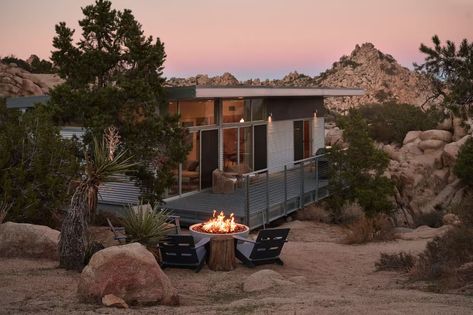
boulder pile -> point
(423, 171)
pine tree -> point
(113, 76)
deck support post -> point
(285, 190)
(247, 200)
(316, 178)
(301, 198)
(267, 197)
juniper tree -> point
(114, 76)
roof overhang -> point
(192, 92)
(26, 101)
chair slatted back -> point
(178, 249)
(269, 243)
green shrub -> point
(36, 166)
(389, 122)
(464, 165)
(146, 227)
(401, 261)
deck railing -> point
(274, 193)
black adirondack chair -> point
(181, 252)
(265, 250)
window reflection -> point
(235, 110)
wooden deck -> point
(262, 197)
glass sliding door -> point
(238, 149)
(246, 149)
(190, 172)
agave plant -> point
(146, 226)
(101, 165)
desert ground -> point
(326, 277)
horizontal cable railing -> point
(276, 192)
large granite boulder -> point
(28, 241)
(411, 136)
(450, 151)
(435, 134)
(129, 272)
(431, 145)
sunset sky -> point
(253, 38)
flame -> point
(220, 224)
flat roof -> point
(26, 101)
(190, 92)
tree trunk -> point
(222, 253)
(73, 237)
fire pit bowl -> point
(218, 225)
(198, 234)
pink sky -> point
(253, 38)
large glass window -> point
(197, 113)
(234, 111)
(190, 175)
(230, 148)
(246, 149)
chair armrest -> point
(202, 242)
(243, 239)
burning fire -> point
(220, 224)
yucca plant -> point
(101, 165)
(144, 226)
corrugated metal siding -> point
(69, 132)
(124, 192)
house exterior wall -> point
(280, 144)
(318, 134)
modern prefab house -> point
(255, 152)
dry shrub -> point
(401, 261)
(313, 213)
(378, 228)
(351, 212)
(444, 254)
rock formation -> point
(382, 78)
(15, 81)
(422, 169)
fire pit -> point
(218, 225)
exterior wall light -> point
(315, 113)
(242, 120)
(270, 117)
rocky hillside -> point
(15, 81)
(379, 74)
(382, 78)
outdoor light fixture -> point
(270, 117)
(315, 113)
(242, 120)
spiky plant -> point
(144, 226)
(101, 165)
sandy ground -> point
(331, 278)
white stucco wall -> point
(280, 144)
(318, 134)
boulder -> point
(412, 148)
(411, 136)
(333, 136)
(458, 130)
(431, 145)
(263, 280)
(28, 241)
(392, 153)
(435, 134)
(450, 151)
(111, 300)
(451, 219)
(129, 272)
(446, 124)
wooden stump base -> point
(222, 253)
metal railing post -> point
(316, 179)
(267, 196)
(301, 203)
(247, 200)
(285, 190)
